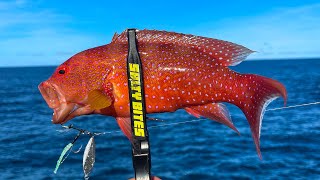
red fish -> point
(180, 71)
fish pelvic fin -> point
(125, 126)
(252, 94)
(215, 111)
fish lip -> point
(62, 112)
(55, 99)
(49, 94)
(69, 112)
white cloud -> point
(43, 47)
(290, 32)
(37, 37)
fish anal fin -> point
(192, 112)
(215, 111)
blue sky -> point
(39, 32)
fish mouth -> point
(60, 114)
(63, 111)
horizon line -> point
(256, 59)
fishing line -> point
(299, 105)
(274, 109)
(195, 120)
(89, 153)
(183, 122)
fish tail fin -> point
(256, 93)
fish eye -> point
(62, 71)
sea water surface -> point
(290, 142)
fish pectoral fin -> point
(125, 126)
(98, 100)
(215, 111)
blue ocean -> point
(30, 144)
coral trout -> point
(180, 71)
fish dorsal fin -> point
(221, 52)
(115, 36)
(98, 100)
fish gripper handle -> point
(141, 157)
